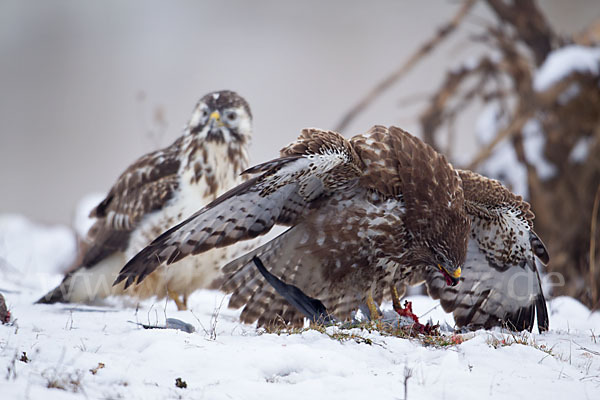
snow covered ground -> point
(64, 352)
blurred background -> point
(88, 87)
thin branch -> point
(425, 49)
(515, 126)
(590, 34)
(433, 117)
(529, 22)
(593, 226)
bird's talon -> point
(181, 305)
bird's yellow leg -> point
(395, 298)
(181, 305)
(374, 313)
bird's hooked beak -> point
(215, 120)
(451, 279)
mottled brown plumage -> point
(154, 193)
(364, 214)
(4, 313)
(500, 285)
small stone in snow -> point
(180, 383)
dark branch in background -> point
(531, 25)
(563, 203)
(434, 115)
(518, 41)
(593, 274)
(511, 130)
(425, 49)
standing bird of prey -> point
(157, 191)
(366, 217)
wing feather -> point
(500, 283)
(143, 188)
(147, 185)
(313, 167)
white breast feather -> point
(199, 271)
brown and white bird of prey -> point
(157, 191)
(366, 217)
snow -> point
(96, 352)
(579, 152)
(534, 142)
(503, 163)
(82, 221)
(33, 254)
(564, 61)
(490, 121)
(569, 94)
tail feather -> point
(256, 309)
(249, 288)
(86, 284)
(57, 295)
(342, 308)
(250, 284)
(281, 312)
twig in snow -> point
(211, 332)
(407, 376)
(586, 349)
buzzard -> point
(367, 217)
(157, 191)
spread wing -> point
(287, 187)
(500, 284)
(143, 188)
(345, 247)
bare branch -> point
(425, 49)
(434, 115)
(531, 25)
(515, 127)
(593, 285)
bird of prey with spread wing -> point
(157, 191)
(366, 217)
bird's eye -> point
(231, 116)
(204, 113)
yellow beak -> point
(215, 115)
(456, 273)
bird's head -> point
(443, 246)
(445, 257)
(448, 265)
(446, 244)
(222, 117)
